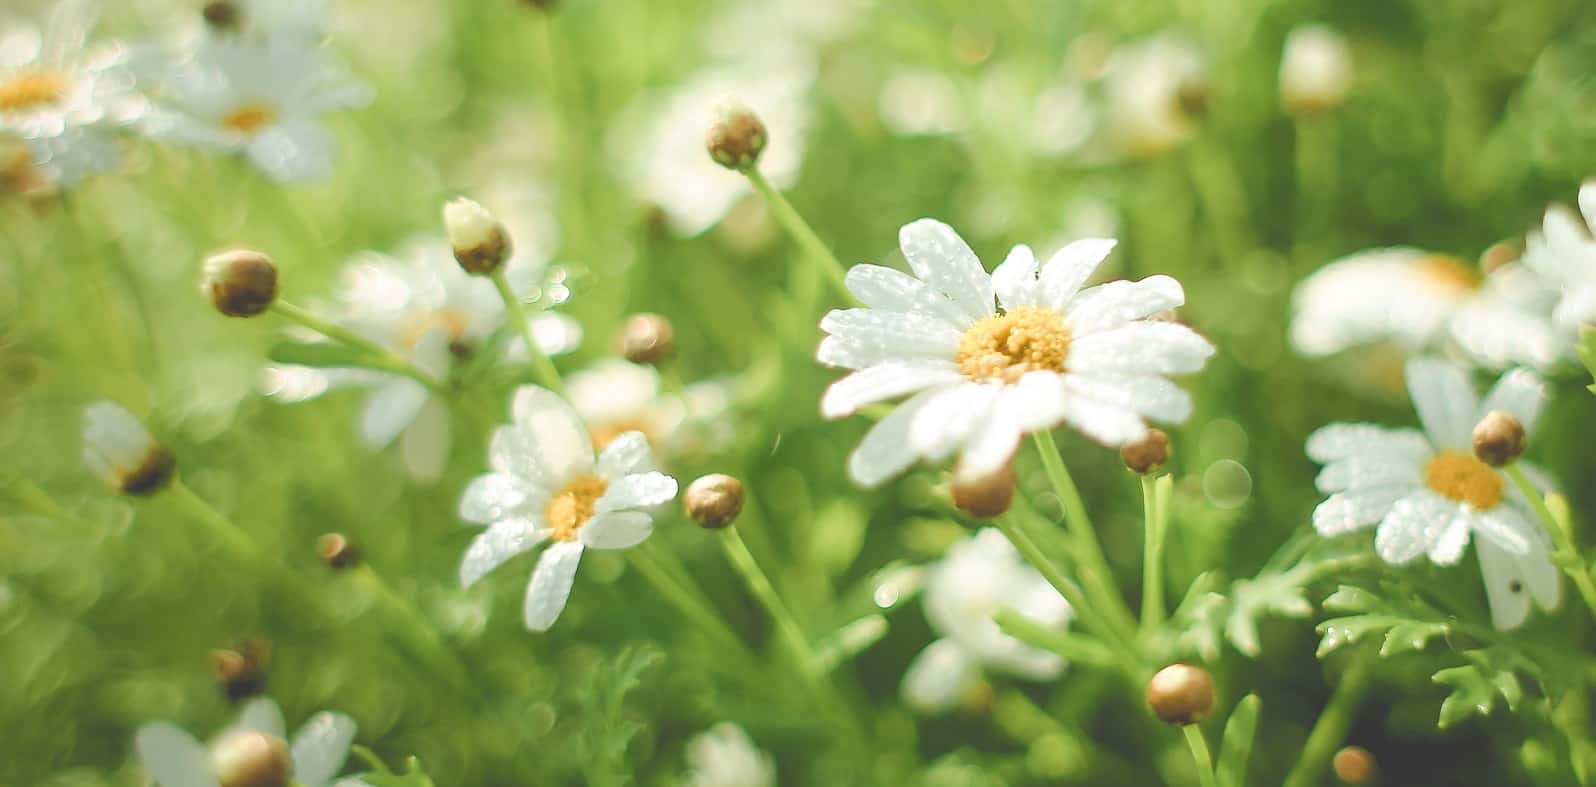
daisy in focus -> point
(982, 376)
(424, 306)
(1417, 299)
(548, 485)
(1563, 251)
(1427, 494)
(253, 752)
(724, 756)
(977, 578)
(263, 97)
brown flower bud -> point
(248, 758)
(1498, 438)
(1501, 255)
(337, 551)
(646, 338)
(240, 283)
(1354, 765)
(1147, 454)
(480, 243)
(714, 500)
(1192, 97)
(221, 15)
(241, 673)
(1181, 694)
(736, 137)
(986, 497)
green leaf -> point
(1282, 595)
(321, 354)
(414, 775)
(1236, 746)
(1407, 623)
(606, 732)
(1493, 672)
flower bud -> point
(986, 497)
(1315, 70)
(646, 338)
(241, 673)
(1354, 765)
(1500, 255)
(714, 500)
(248, 758)
(240, 283)
(736, 137)
(1181, 694)
(1498, 438)
(1147, 454)
(119, 450)
(479, 241)
(221, 15)
(337, 551)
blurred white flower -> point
(175, 758)
(425, 307)
(263, 97)
(977, 578)
(615, 396)
(547, 485)
(1156, 89)
(660, 139)
(920, 102)
(756, 28)
(1426, 493)
(1315, 69)
(1418, 299)
(1563, 252)
(118, 449)
(723, 756)
(981, 377)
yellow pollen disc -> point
(1003, 347)
(1455, 475)
(605, 433)
(416, 326)
(1449, 273)
(572, 506)
(31, 89)
(250, 118)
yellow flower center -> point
(1003, 347)
(30, 89)
(572, 506)
(1459, 476)
(1451, 274)
(605, 433)
(250, 118)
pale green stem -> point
(542, 367)
(1152, 554)
(1571, 561)
(1200, 755)
(385, 357)
(1096, 576)
(792, 636)
(1074, 647)
(1331, 729)
(413, 627)
(790, 220)
(687, 603)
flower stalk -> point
(800, 231)
(1155, 516)
(542, 367)
(1199, 755)
(382, 358)
(1096, 576)
(1331, 728)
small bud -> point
(1498, 438)
(986, 497)
(1500, 255)
(1315, 70)
(1354, 765)
(480, 242)
(119, 450)
(736, 137)
(646, 338)
(222, 15)
(337, 551)
(714, 500)
(241, 673)
(240, 283)
(1192, 97)
(1147, 454)
(1181, 694)
(247, 758)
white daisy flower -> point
(425, 307)
(547, 485)
(1154, 87)
(252, 751)
(1426, 494)
(1563, 251)
(1315, 69)
(724, 756)
(660, 139)
(615, 396)
(982, 376)
(262, 97)
(977, 578)
(118, 449)
(1417, 299)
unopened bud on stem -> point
(480, 243)
(984, 497)
(736, 137)
(1181, 694)
(337, 551)
(240, 283)
(248, 758)
(241, 673)
(123, 453)
(1354, 765)
(1147, 454)
(646, 338)
(221, 15)
(1498, 438)
(714, 500)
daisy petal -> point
(320, 748)
(991, 445)
(885, 450)
(912, 334)
(1505, 528)
(943, 260)
(1070, 267)
(494, 496)
(937, 677)
(1449, 545)
(1341, 440)
(1445, 400)
(1412, 526)
(1141, 348)
(1014, 280)
(295, 150)
(500, 542)
(1354, 509)
(261, 715)
(887, 289)
(850, 354)
(560, 442)
(885, 381)
(173, 757)
(626, 454)
(947, 419)
(1149, 397)
(1118, 302)
(1505, 587)
(1037, 400)
(1520, 393)
(1372, 469)
(551, 585)
(389, 410)
(640, 490)
(1108, 425)
(616, 530)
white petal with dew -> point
(942, 259)
(892, 290)
(560, 443)
(1373, 469)
(1069, 268)
(948, 418)
(173, 757)
(1037, 400)
(320, 748)
(1141, 348)
(1449, 545)
(1340, 440)
(640, 490)
(1506, 528)
(1115, 303)
(551, 585)
(1015, 281)
(624, 455)
(1108, 425)
(991, 445)
(1445, 400)
(1355, 509)
(885, 381)
(905, 334)
(501, 541)
(616, 530)
(885, 450)
(494, 496)
(1411, 527)
(1149, 397)
(1507, 584)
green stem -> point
(542, 367)
(1153, 517)
(1095, 573)
(1331, 729)
(1200, 755)
(412, 626)
(1569, 557)
(687, 603)
(794, 224)
(1071, 646)
(384, 358)
(792, 636)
